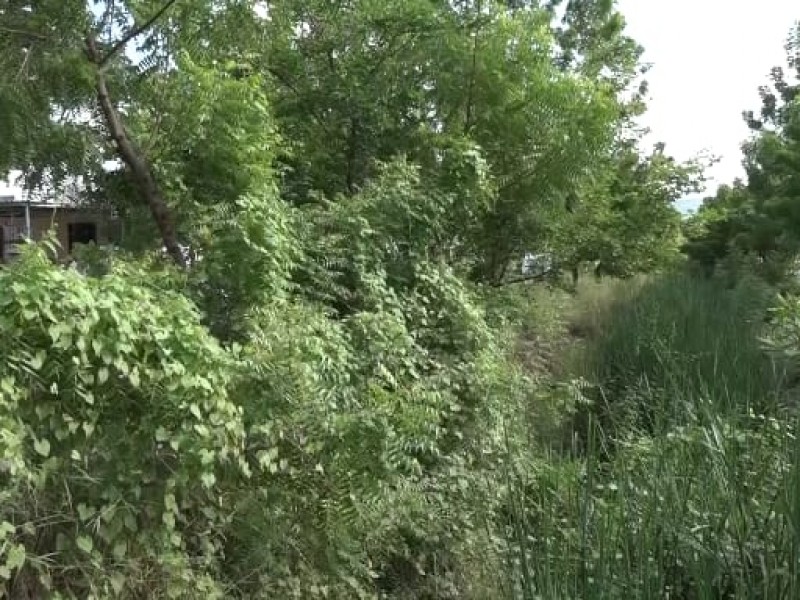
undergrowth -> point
(635, 439)
(683, 481)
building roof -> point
(40, 205)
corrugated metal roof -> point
(43, 205)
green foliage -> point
(705, 511)
(340, 394)
(41, 67)
(372, 425)
(245, 259)
(504, 113)
(624, 222)
(210, 134)
(756, 226)
(116, 429)
(357, 86)
(657, 347)
(685, 484)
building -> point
(536, 265)
(22, 218)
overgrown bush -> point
(117, 433)
(378, 444)
(321, 456)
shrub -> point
(116, 433)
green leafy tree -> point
(360, 84)
(625, 222)
(758, 223)
(72, 74)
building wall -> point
(44, 219)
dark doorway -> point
(81, 233)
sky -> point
(708, 59)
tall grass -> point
(687, 484)
(660, 350)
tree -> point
(360, 84)
(69, 89)
(351, 85)
(625, 222)
(759, 222)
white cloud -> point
(709, 57)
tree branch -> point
(473, 74)
(30, 34)
(134, 32)
(525, 278)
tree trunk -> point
(134, 159)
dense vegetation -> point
(402, 310)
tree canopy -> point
(513, 107)
(756, 222)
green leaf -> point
(130, 523)
(168, 519)
(118, 581)
(208, 479)
(37, 361)
(195, 410)
(206, 457)
(102, 375)
(42, 447)
(120, 549)
(85, 512)
(15, 557)
(7, 386)
(162, 435)
(85, 543)
(6, 529)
